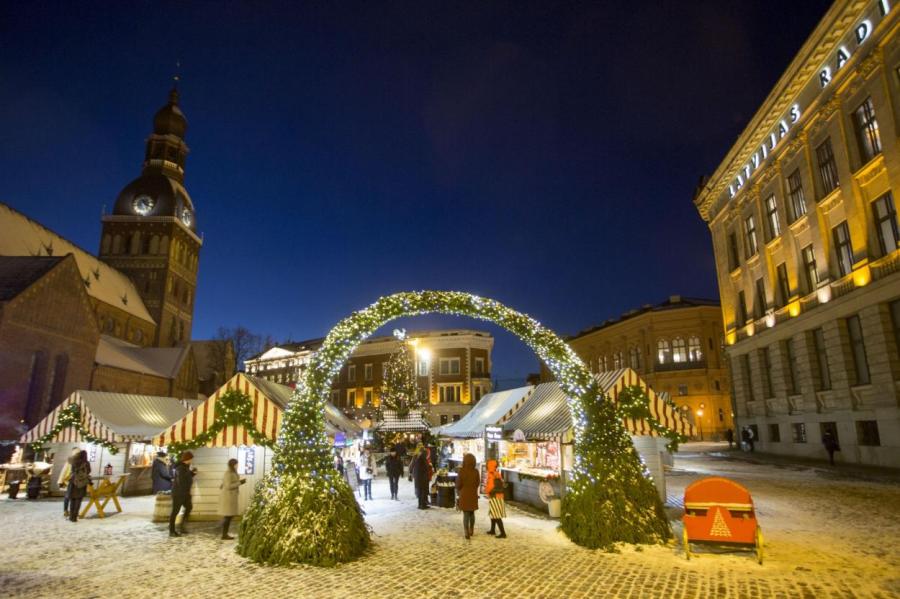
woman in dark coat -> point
(467, 482)
(81, 478)
(419, 469)
(161, 474)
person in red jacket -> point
(493, 486)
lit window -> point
(423, 367)
(679, 350)
(886, 223)
(695, 349)
(449, 366)
(367, 372)
(867, 131)
(663, 352)
(450, 393)
(368, 397)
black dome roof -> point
(169, 120)
(169, 197)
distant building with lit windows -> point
(804, 226)
(676, 347)
(453, 368)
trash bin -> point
(555, 508)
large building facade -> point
(804, 226)
(676, 347)
(453, 370)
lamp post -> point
(700, 422)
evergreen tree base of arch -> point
(298, 519)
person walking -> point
(65, 480)
(161, 473)
(494, 486)
(367, 473)
(467, 482)
(351, 476)
(394, 468)
(729, 436)
(831, 445)
(81, 478)
(418, 471)
(339, 463)
(181, 493)
(228, 498)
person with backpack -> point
(81, 478)
(494, 487)
(181, 493)
(467, 482)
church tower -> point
(151, 235)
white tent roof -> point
(158, 361)
(491, 410)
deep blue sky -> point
(543, 154)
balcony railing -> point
(668, 366)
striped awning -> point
(412, 422)
(491, 410)
(111, 417)
(546, 414)
(269, 401)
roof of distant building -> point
(18, 273)
(675, 302)
(158, 361)
(25, 237)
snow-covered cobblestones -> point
(826, 537)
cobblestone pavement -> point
(826, 536)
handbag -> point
(368, 471)
(498, 487)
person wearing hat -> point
(181, 493)
(162, 474)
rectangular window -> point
(784, 288)
(479, 392)
(367, 372)
(773, 224)
(423, 367)
(682, 389)
(444, 419)
(743, 315)
(351, 373)
(798, 430)
(822, 359)
(858, 347)
(367, 396)
(336, 397)
(449, 366)
(867, 433)
(750, 234)
(774, 433)
(456, 418)
(843, 248)
(351, 398)
(748, 377)
(810, 275)
(795, 193)
(384, 371)
(765, 360)
(790, 354)
(867, 134)
(828, 174)
(734, 258)
(886, 223)
(479, 365)
(450, 393)
(759, 304)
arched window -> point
(135, 247)
(154, 245)
(603, 364)
(105, 244)
(634, 358)
(164, 245)
(117, 244)
(695, 350)
(617, 360)
(679, 350)
(663, 352)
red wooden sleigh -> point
(720, 511)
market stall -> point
(114, 429)
(240, 420)
(535, 450)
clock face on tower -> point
(143, 204)
(186, 217)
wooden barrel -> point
(163, 508)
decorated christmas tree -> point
(398, 390)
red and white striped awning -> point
(612, 384)
(111, 417)
(267, 411)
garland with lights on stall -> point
(634, 403)
(233, 408)
(304, 511)
(70, 416)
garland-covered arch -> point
(304, 512)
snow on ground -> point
(826, 536)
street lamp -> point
(700, 421)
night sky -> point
(543, 154)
